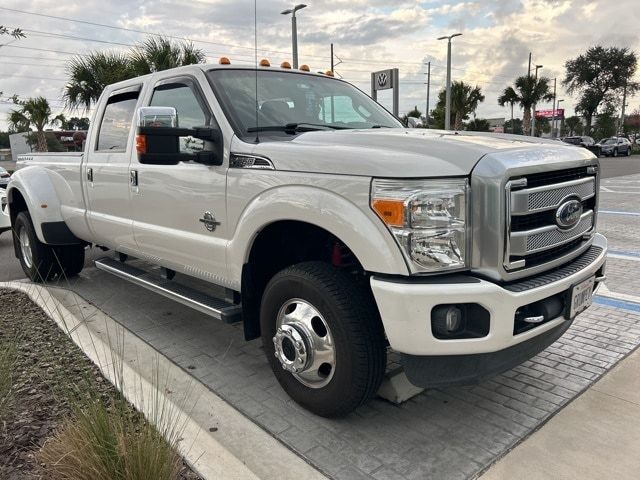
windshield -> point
(295, 101)
(610, 141)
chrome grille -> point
(542, 200)
(537, 206)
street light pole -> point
(426, 116)
(533, 117)
(294, 30)
(558, 108)
(553, 112)
(447, 111)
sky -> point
(368, 35)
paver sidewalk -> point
(596, 436)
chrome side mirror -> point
(157, 117)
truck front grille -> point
(532, 234)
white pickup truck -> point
(293, 202)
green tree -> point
(510, 97)
(479, 125)
(606, 122)
(598, 76)
(15, 33)
(4, 140)
(572, 125)
(33, 112)
(513, 126)
(464, 100)
(90, 74)
(74, 123)
(543, 125)
(530, 91)
(415, 113)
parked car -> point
(333, 232)
(4, 177)
(615, 146)
(5, 220)
(583, 141)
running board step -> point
(207, 304)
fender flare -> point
(44, 196)
(360, 231)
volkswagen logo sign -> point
(382, 79)
(568, 214)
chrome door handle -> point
(90, 174)
(133, 178)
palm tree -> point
(158, 53)
(90, 74)
(464, 100)
(509, 96)
(530, 91)
(34, 112)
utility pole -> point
(447, 110)
(332, 58)
(294, 31)
(624, 104)
(553, 112)
(426, 115)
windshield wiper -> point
(295, 127)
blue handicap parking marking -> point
(612, 302)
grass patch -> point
(108, 443)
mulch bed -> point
(48, 366)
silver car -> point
(4, 177)
(615, 146)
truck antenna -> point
(255, 39)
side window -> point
(191, 112)
(116, 122)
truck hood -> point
(396, 152)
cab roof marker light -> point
(285, 65)
(329, 73)
(265, 63)
(305, 68)
(224, 61)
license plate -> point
(581, 296)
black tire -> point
(349, 309)
(629, 152)
(615, 152)
(47, 262)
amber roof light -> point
(224, 61)
(265, 63)
(329, 73)
(285, 65)
(305, 68)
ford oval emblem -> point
(568, 214)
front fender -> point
(44, 198)
(357, 228)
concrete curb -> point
(236, 448)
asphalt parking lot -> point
(446, 433)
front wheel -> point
(41, 262)
(323, 337)
(615, 152)
(629, 152)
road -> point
(10, 267)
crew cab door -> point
(106, 171)
(179, 210)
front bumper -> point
(405, 307)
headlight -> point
(428, 219)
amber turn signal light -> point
(391, 212)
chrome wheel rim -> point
(25, 248)
(304, 344)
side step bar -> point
(207, 304)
